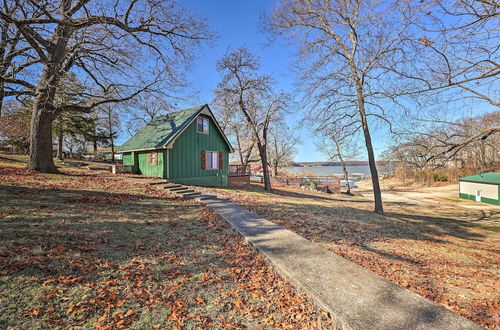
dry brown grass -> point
(81, 249)
(436, 248)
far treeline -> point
(448, 151)
(78, 73)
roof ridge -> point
(198, 107)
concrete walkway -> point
(355, 297)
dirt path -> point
(443, 196)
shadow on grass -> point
(11, 160)
(47, 233)
(255, 188)
(358, 227)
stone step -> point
(158, 182)
(190, 194)
(203, 197)
(177, 188)
(183, 191)
(172, 185)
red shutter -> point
(203, 160)
(220, 160)
(149, 158)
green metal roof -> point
(493, 178)
(159, 131)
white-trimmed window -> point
(153, 158)
(211, 160)
(202, 125)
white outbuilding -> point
(481, 188)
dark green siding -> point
(151, 170)
(185, 157)
(130, 159)
(483, 199)
(139, 162)
(127, 159)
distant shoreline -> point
(356, 169)
(348, 163)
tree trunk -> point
(95, 148)
(265, 169)
(369, 148)
(240, 152)
(275, 168)
(43, 116)
(261, 145)
(41, 140)
(275, 162)
(111, 139)
(344, 167)
(246, 159)
(112, 150)
(60, 146)
(346, 176)
(2, 89)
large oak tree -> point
(118, 48)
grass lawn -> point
(82, 249)
(438, 249)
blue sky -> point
(236, 23)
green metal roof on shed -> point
(492, 178)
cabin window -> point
(211, 160)
(153, 158)
(202, 125)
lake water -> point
(354, 170)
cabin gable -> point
(185, 156)
(176, 147)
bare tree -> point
(110, 121)
(235, 125)
(455, 50)
(11, 48)
(345, 47)
(282, 146)
(250, 92)
(467, 143)
(144, 108)
(119, 48)
(69, 91)
(340, 143)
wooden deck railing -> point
(239, 170)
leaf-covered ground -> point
(444, 252)
(81, 249)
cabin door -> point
(478, 195)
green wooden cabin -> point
(186, 146)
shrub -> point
(439, 177)
(313, 185)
